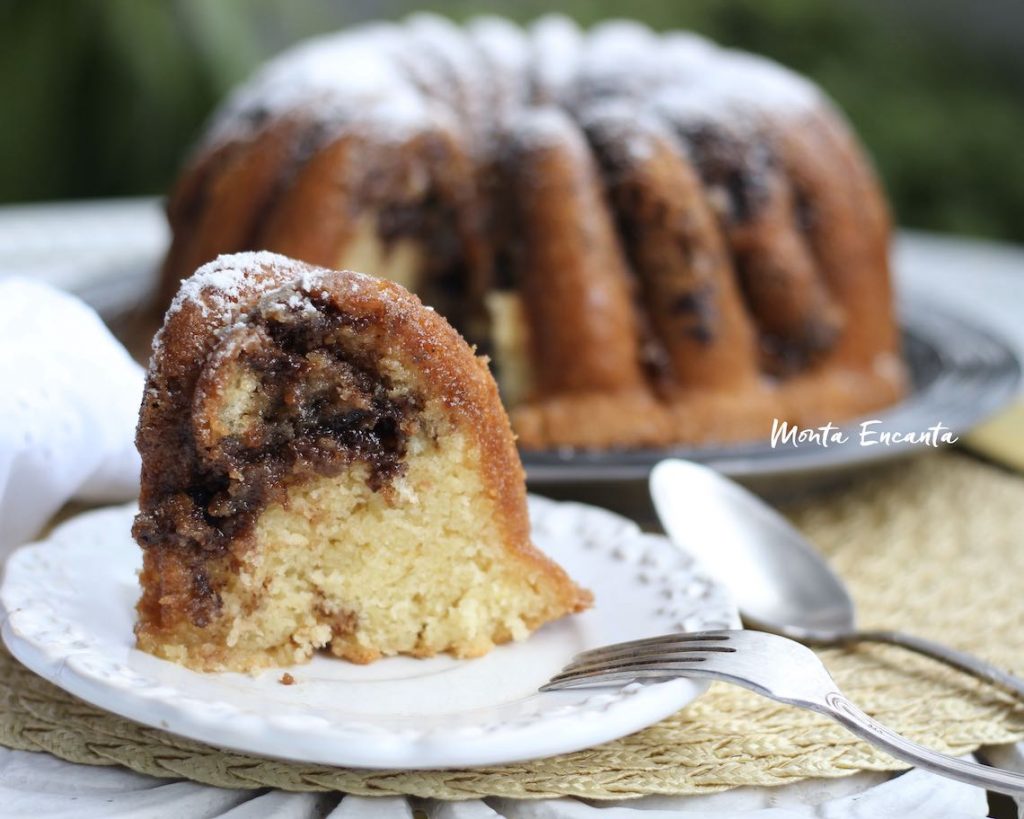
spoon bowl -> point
(777, 578)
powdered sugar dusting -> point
(311, 280)
(216, 287)
(557, 46)
(503, 43)
(506, 51)
(299, 302)
(398, 80)
(706, 82)
(338, 76)
(466, 78)
(684, 53)
(632, 133)
(620, 59)
(548, 127)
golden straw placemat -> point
(935, 546)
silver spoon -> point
(780, 583)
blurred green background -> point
(103, 97)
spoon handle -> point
(961, 660)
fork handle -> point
(973, 773)
(961, 660)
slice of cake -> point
(326, 464)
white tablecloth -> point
(40, 785)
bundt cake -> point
(656, 240)
(326, 463)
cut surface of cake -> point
(656, 240)
(327, 464)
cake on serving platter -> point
(655, 240)
(327, 464)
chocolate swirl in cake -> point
(287, 392)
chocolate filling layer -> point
(319, 407)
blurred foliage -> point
(102, 97)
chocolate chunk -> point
(323, 407)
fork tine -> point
(671, 663)
(643, 648)
(670, 655)
(664, 641)
(646, 655)
(603, 675)
(602, 678)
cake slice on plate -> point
(326, 464)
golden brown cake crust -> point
(194, 515)
(572, 273)
(699, 238)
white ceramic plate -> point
(69, 602)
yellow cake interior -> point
(417, 569)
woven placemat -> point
(935, 545)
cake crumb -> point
(287, 679)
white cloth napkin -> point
(69, 400)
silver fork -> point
(776, 667)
